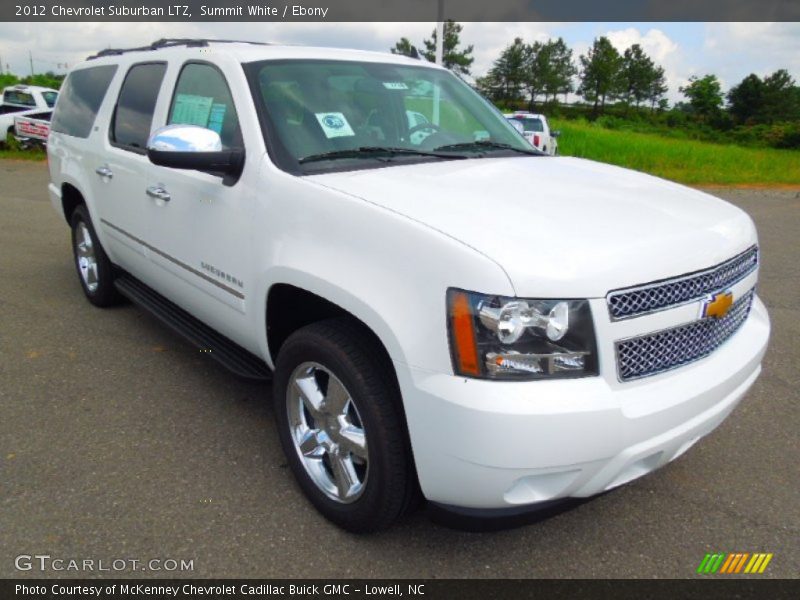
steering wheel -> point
(423, 126)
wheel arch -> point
(291, 304)
(71, 198)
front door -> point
(202, 223)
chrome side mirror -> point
(195, 148)
(184, 138)
(555, 133)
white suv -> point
(430, 323)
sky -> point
(730, 50)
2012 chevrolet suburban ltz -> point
(360, 227)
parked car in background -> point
(536, 130)
(24, 100)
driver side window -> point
(202, 98)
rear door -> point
(121, 173)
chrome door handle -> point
(104, 171)
(159, 193)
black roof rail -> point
(171, 42)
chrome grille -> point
(671, 348)
(651, 297)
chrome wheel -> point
(84, 254)
(327, 432)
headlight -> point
(495, 337)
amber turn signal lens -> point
(462, 327)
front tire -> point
(95, 271)
(341, 425)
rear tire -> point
(95, 271)
(341, 425)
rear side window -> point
(50, 98)
(18, 97)
(133, 116)
(80, 99)
(202, 98)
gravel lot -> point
(119, 440)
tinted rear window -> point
(18, 97)
(529, 123)
(80, 99)
(137, 101)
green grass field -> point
(685, 161)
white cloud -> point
(661, 48)
(655, 42)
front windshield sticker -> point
(391, 85)
(335, 125)
(191, 110)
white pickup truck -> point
(535, 129)
(25, 101)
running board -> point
(226, 352)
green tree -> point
(506, 78)
(600, 68)
(7, 79)
(535, 71)
(557, 68)
(781, 98)
(658, 89)
(405, 48)
(638, 77)
(746, 99)
(704, 95)
(459, 60)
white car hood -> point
(560, 227)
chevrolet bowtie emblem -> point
(717, 306)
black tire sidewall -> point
(105, 294)
(378, 505)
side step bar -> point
(229, 354)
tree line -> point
(528, 73)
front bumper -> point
(490, 444)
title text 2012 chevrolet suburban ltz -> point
(360, 227)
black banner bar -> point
(706, 588)
(400, 10)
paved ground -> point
(118, 440)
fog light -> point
(520, 362)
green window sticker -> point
(216, 117)
(395, 85)
(192, 110)
(334, 125)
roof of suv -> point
(244, 52)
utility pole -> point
(440, 33)
(30, 57)
(439, 58)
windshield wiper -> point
(487, 145)
(375, 152)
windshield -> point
(323, 115)
(50, 98)
(529, 123)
